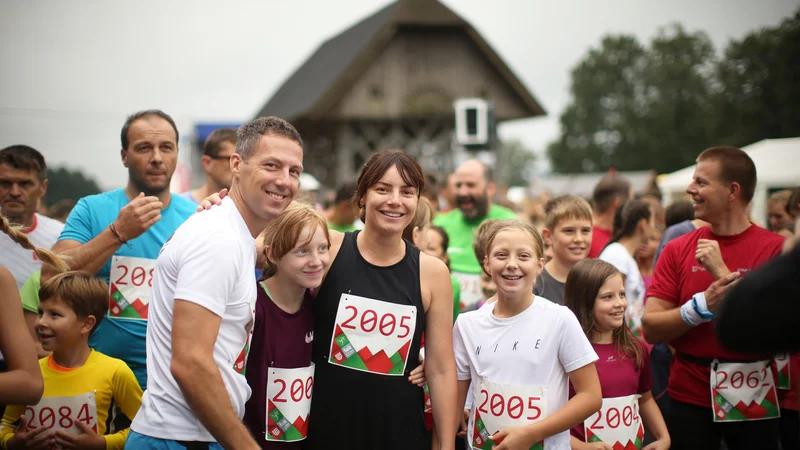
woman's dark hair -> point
(678, 212)
(380, 163)
(627, 218)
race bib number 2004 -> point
(617, 424)
(499, 406)
(130, 287)
(289, 394)
(372, 335)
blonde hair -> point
(567, 206)
(81, 291)
(421, 218)
(479, 245)
(283, 232)
(46, 256)
(514, 224)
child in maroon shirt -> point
(595, 292)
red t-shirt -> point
(600, 237)
(618, 377)
(678, 276)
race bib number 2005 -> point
(372, 335)
(500, 406)
(130, 287)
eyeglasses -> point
(221, 157)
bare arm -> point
(440, 363)
(653, 420)
(89, 257)
(662, 321)
(23, 383)
(30, 322)
(194, 332)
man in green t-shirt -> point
(342, 213)
(474, 189)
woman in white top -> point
(633, 225)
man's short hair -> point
(214, 141)
(735, 167)
(345, 193)
(608, 189)
(250, 133)
(143, 115)
(22, 157)
(563, 207)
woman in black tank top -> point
(369, 317)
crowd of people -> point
(408, 310)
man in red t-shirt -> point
(689, 284)
(609, 194)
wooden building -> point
(390, 81)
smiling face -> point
(472, 190)
(710, 194)
(58, 327)
(610, 305)
(305, 264)
(269, 180)
(390, 204)
(513, 262)
(152, 154)
(571, 240)
(778, 218)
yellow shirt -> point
(111, 381)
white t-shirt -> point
(617, 255)
(208, 261)
(537, 347)
(21, 262)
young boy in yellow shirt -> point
(82, 387)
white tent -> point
(777, 163)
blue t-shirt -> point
(119, 337)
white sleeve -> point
(460, 352)
(612, 255)
(208, 267)
(574, 349)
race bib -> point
(62, 413)
(499, 406)
(743, 391)
(372, 335)
(130, 287)
(241, 361)
(289, 403)
(471, 292)
(782, 360)
(618, 423)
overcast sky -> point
(72, 70)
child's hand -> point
(417, 376)
(598, 446)
(462, 428)
(36, 439)
(661, 444)
(516, 438)
(211, 200)
(88, 440)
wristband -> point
(689, 315)
(700, 305)
(117, 235)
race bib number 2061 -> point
(372, 335)
(130, 287)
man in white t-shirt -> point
(23, 182)
(534, 349)
(201, 312)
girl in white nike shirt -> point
(521, 352)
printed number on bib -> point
(471, 292)
(618, 423)
(743, 391)
(372, 335)
(289, 403)
(62, 413)
(499, 406)
(783, 361)
(130, 287)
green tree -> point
(638, 108)
(758, 93)
(64, 183)
(515, 164)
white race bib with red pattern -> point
(61, 413)
(130, 287)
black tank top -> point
(353, 409)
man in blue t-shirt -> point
(117, 235)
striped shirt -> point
(21, 262)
